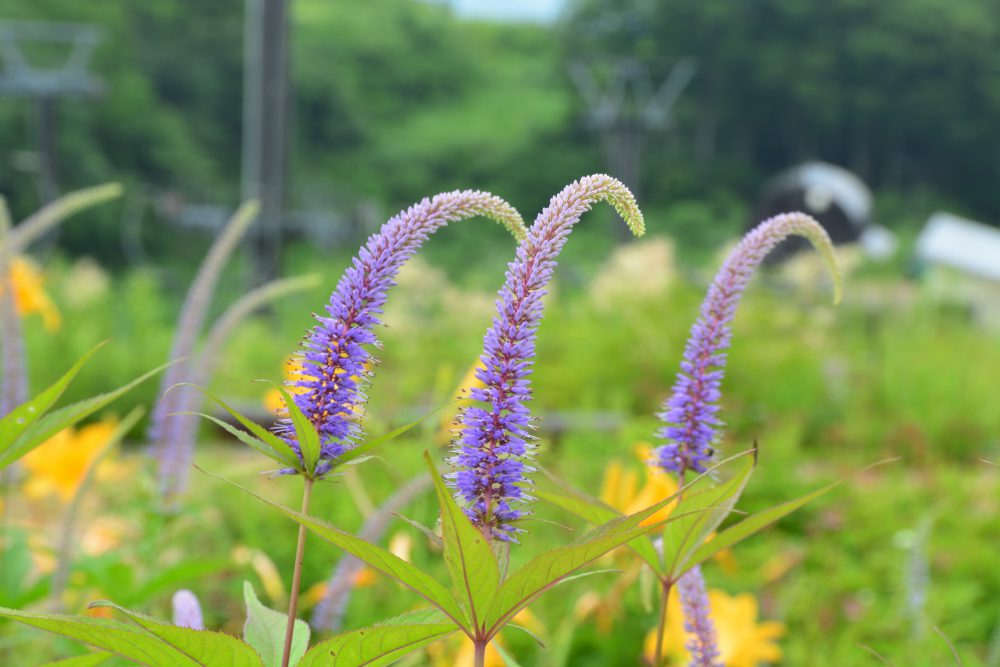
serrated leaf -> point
(378, 558)
(471, 562)
(89, 660)
(369, 445)
(305, 432)
(377, 645)
(595, 511)
(286, 453)
(264, 630)
(128, 640)
(552, 567)
(200, 647)
(20, 418)
(698, 514)
(66, 416)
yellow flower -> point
(58, 465)
(29, 297)
(265, 569)
(294, 370)
(743, 641)
(620, 488)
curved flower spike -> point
(691, 410)
(494, 442)
(336, 363)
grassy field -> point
(898, 560)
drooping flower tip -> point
(691, 410)
(335, 357)
(495, 446)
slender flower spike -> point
(691, 411)
(335, 359)
(704, 644)
(494, 444)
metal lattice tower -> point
(66, 74)
(624, 105)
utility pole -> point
(265, 126)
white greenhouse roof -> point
(970, 247)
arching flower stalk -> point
(692, 425)
(690, 413)
(336, 364)
(334, 356)
(494, 445)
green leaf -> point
(380, 644)
(508, 659)
(20, 418)
(265, 629)
(88, 660)
(200, 647)
(595, 511)
(286, 454)
(378, 558)
(369, 445)
(471, 562)
(552, 567)
(247, 439)
(756, 522)
(698, 513)
(125, 639)
(66, 416)
(305, 432)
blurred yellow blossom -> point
(743, 641)
(293, 370)
(620, 488)
(265, 569)
(29, 295)
(58, 465)
(400, 545)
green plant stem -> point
(480, 660)
(293, 602)
(661, 629)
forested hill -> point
(394, 99)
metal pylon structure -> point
(624, 104)
(66, 74)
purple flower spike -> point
(336, 363)
(187, 610)
(492, 451)
(704, 644)
(691, 411)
